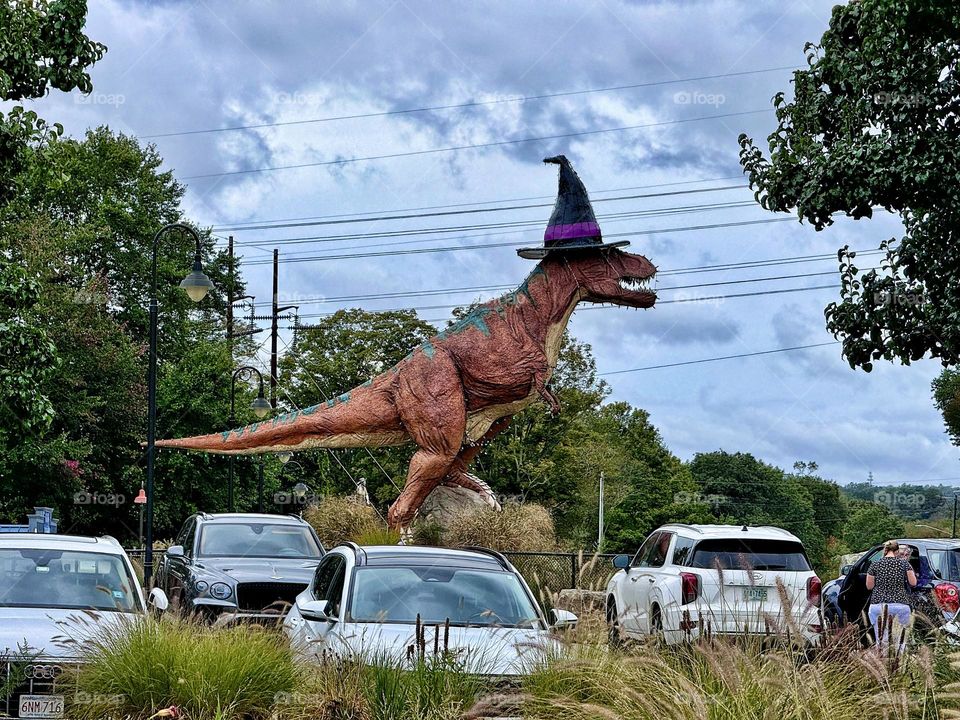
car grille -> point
(267, 596)
(28, 677)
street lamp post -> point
(260, 407)
(196, 285)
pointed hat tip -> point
(557, 160)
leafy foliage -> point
(42, 46)
(874, 124)
(946, 396)
(869, 524)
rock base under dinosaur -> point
(445, 503)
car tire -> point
(614, 634)
(656, 625)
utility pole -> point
(230, 294)
(274, 329)
(954, 533)
(600, 525)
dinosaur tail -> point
(289, 431)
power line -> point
(489, 202)
(457, 106)
(492, 288)
(488, 246)
(508, 224)
(709, 298)
(722, 357)
(311, 223)
(456, 148)
(770, 262)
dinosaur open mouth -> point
(636, 284)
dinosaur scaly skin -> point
(460, 388)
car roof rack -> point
(499, 557)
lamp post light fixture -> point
(260, 407)
(284, 456)
(196, 285)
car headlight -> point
(221, 591)
(201, 586)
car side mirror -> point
(563, 619)
(845, 570)
(621, 562)
(175, 551)
(316, 610)
(158, 600)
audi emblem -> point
(42, 672)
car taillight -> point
(947, 596)
(689, 587)
(813, 590)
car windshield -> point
(945, 564)
(750, 554)
(48, 578)
(258, 540)
(437, 594)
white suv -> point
(691, 580)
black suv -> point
(239, 565)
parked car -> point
(689, 580)
(937, 596)
(239, 566)
(368, 603)
(54, 587)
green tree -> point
(870, 524)
(874, 124)
(946, 396)
(42, 46)
(82, 222)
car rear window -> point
(749, 554)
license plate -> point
(755, 594)
(41, 706)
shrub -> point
(518, 527)
(140, 666)
(338, 519)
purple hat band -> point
(572, 231)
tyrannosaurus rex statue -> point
(460, 387)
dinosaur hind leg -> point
(460, 475)
(432, 408)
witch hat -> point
(572, 226)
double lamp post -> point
(196, 285)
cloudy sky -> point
(699, 73)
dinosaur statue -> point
(455, 392)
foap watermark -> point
(88, 498)
(900, 298)
(695, 299)
(695, 498)
(299, 98)
(893, 500)
(697, 97)
(898, 98)
(98, 98)
(85, 698)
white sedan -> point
(55, 592)
(396, 604)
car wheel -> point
(656, 625)
(614, 635)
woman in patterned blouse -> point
(888, 579)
